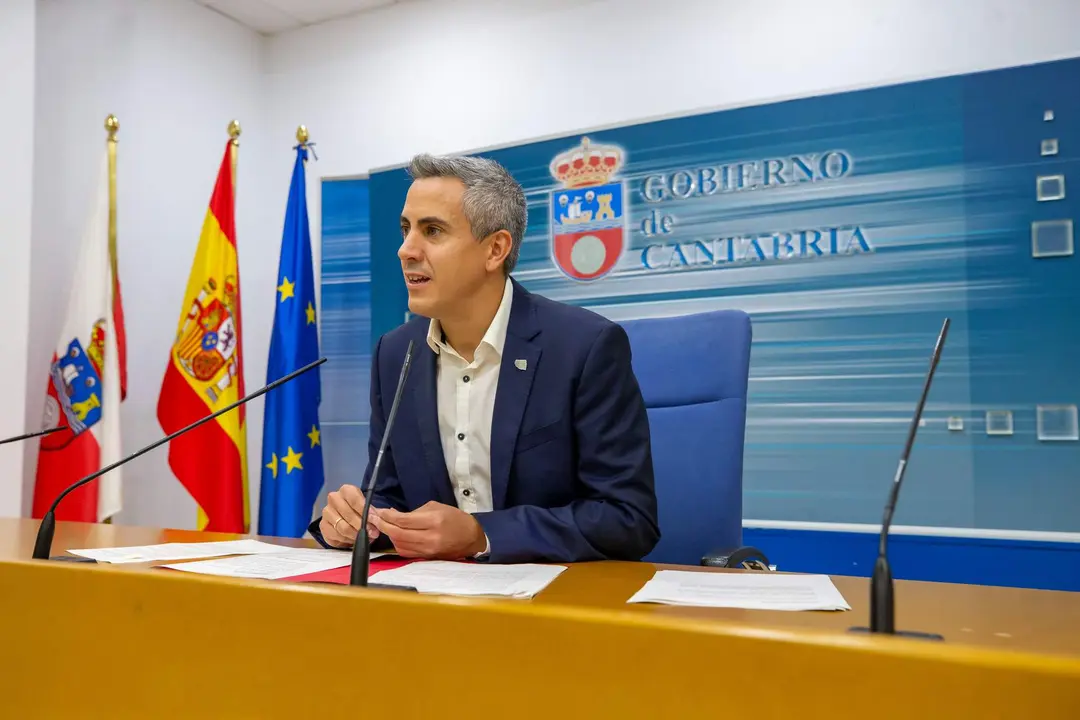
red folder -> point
(340, 576)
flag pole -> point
(302, 137)
(234, 152)
(112, 126)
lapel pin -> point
(521, 364)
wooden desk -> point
(122, 641)
(1042, 621)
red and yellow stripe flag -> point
(205, 373)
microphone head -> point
(941, 336)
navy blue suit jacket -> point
(571, 463)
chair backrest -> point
(693, 371)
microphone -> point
(27, 436)
(43, 543)
(361, 552)
(882, 610)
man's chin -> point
(418, 306)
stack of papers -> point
(749, 590)
(286, 562)
(472, 579)
(177, 551)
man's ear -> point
(499, 245)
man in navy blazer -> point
(521, 435)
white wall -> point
(17, 131)
(175, 74)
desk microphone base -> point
(376, 586)
(902, 633)
(381, 586)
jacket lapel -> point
(427, 417)
(520, 357)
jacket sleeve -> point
(616, 514)
(387, 492)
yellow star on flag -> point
(310, 313)
(272, 465)
(314, 436)
(286, 289)
(292, 461)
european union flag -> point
(292, 462)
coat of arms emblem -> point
(205, 347)
(588, 215)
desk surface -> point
(1043, 621)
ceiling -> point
(274, 16)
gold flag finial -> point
(234, 149)
(112, 125)
(302, 134)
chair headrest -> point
(689, 359)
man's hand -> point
(434, 531)
(341, 517)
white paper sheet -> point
(749, 590)
(177, 551)
(271, 566)
(472, 579)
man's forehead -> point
(443, 193)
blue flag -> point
(292, 461)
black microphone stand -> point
(47, 528)
(27, 436)
(361, 550)
(882, 606)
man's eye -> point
(432, 230)
(404, 230)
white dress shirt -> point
(465, 395)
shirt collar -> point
(495, 337)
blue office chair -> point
(693, 371)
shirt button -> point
(466, 493)
(465, 379)
(461, 436)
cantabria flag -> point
(86, 379)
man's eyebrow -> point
(427, 220)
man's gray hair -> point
(493, 200)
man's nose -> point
(409, 250)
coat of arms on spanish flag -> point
(205, 373)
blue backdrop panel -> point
(346, 330)
(849, 226)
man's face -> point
(442, 261)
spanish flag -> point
(205, 373)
